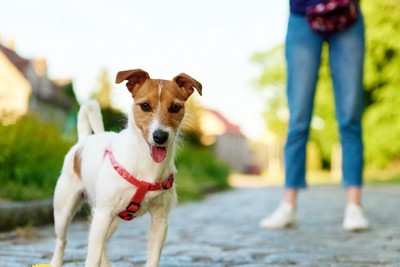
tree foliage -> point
(382, 82)
(113, 119)
(382, 97)
(271, 83)
(103, 90)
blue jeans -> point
(346, 59)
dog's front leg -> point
(157, 234)
(97, 237)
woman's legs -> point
(354, 195)
(346, 54)
(290, 196)
(303, 49)
(303, 57)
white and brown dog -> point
(124, 174)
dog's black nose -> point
(160, 137)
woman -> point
(346, 58)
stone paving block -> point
(75, 264)
(9, 262)
(218, 233)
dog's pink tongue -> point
(158, 153)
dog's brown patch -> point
(166, 102)
(158, 99)
(146, 95)
(78, 161)
(171, 97)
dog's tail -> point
(89, 119)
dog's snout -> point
(160, 137)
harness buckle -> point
(128, 213)
(133, 207)
(167, 184)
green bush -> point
(199, 172)
(31, 156)
(114, 120)
(32, 153)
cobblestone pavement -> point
(223, 230)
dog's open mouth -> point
(157, 153)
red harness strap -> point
(142, 187)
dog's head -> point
(159, 106)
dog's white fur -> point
(108, 193)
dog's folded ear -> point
(135, 78)
(187, 83)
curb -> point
(19, 214)
(40, 212)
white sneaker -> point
(354, 219)
(283, 217)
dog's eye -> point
(145, 107)
(174, 108)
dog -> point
(125, 174)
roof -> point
(229, 127)
(18, 61)
(56, 96)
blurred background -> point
(56, 55)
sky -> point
(210, 40)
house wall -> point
(234, 150)
(15, 91)
(26, 88)
(48, 113)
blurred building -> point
(228, 141)
(268, 153)
(15, 89)
(25, 87)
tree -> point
(382, 81)
(271, 84)
(114, 120)
(103, 91)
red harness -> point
(142, 187)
